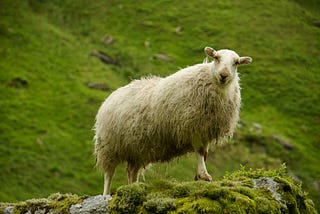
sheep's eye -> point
(236, 62)
(216, 58)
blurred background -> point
(60, 59)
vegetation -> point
(60, 203)
(236, 193)
(47, 109)
(244, 191)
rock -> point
(316, 185)
(108, 40)
(162, 57)
(317, 24)
(305, 128)
(283, 143)
(18, 82)
(147, 44)
(294, 177)
(95, 204)
(256, 127)
(272, 186)
(8, 210)
(40, 141)
(178, 30)
(105, 58)
(40, 211)
(98, 86)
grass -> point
(47, 111)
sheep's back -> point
(122, 119)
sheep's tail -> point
(97, 147)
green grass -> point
(48, 114)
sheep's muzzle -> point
(224, 76)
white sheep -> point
(157, 119)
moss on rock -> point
(129, 199)
(55, 203)
(245, 191)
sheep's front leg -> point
(202, 173)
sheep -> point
(156, 119)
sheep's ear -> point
(210, 52)
(245, 60)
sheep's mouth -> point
(223, 81)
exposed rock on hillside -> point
(104, 57)
(98, 86)
(245, 191)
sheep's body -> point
(156, 119)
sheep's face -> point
(226, 63)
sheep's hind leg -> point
(133, 171)
(107, 180)
(202, 173)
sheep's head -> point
(226, 63)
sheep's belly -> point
(160, 150)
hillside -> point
(48, 104)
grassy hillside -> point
(47, 109)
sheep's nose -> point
(223, 77)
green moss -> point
(187, 188)
(240, 203)
(233, 194)
(244, 191)
(62, 202)
(59, 203)
(159, 205)
(266, 206)
(200, 205)
(214, 194)
(3, 206)
(180, 191)
(205, 205)
(128, 199)
(184, 204)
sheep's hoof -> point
(205, 177)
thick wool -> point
(156, 119)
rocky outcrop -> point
(245, 191)
(59, 203)
(95, 204)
